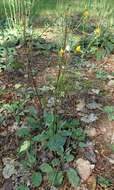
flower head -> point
(86, 14)
(78, 48)
(97, 31)
(61, 52)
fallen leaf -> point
(5, 97)
(92, 183)
(3, 133)
(80, 106)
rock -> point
(89, 118)
(111, 83)
(93, 105)
(51, 102)
(8, 171)
(89, 152)
(7, 161)
(91, 132)
(92, 183)
(83, 168)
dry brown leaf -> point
(92, 182)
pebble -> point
(111, 83)
(91, 132)
(89, 152)
(83, 168)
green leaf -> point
(58, 179)
(82, 144)
(31, 111)
(40, 138)
(23, 132)
(111, 117)
(31, 122)
(73, 177)
(49, 118)
(56, 142)
(55, 162)
(24, 146)
(103, 182)
(31, 159)
(69, 158)
(22, 187)
(60, 151)
(36, 179)
(109, 109)
(51, 177)
(46, 168)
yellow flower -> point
(61, 52)
(86, 14)
(78, 49)
(97, 31)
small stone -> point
(89, 152)
(93, 105)
(8, 171)
(91, 132)
(83, 168)
(89, 118)
(92, 166)
(111, 83)
(51, 102)
(7, 161)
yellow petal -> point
(98, 31)
(78, 49)
(61, 52)
(86, 14)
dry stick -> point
(29, 55)
(30, 63)
(57, 97)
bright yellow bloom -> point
(61, 52)
(97, 31)
(86, 14)
(78, 48)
